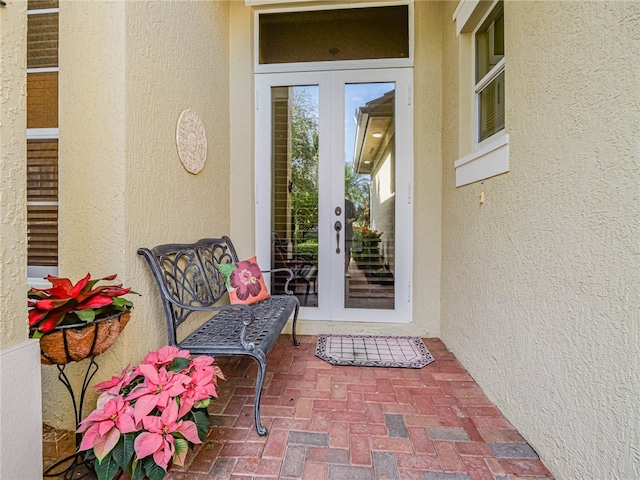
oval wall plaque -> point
(191, 141)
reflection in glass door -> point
(369, 185)
(333, 191)
(294, 190)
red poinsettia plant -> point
(147, 418)
(67, 304)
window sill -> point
(490, 160)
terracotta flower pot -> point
(72, 343)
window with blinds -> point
(42, 137)
(489, 77)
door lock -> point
(337, 226)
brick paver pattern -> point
(349, 423)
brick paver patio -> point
(349, 423)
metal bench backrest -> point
(187, 276)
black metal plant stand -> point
(77, 468)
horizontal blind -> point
(42, 4)
(42, 40)
(42, 197)
(491, 108)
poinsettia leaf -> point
(116, 453)
(201, 419)
(182, 447)
(104, 444)
(137, 472)
(87, 315)
(107, 468)
(123, 451)
(153, 470)
(178, 364)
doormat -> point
(373, 351)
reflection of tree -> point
(304, 161)
(304, 168)
(356, 188)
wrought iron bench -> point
(189, 282)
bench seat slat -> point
(221, 333)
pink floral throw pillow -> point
(244, 281)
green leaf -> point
(116, 452)
(107, 468)
(123, 451)
(87, 315)
(178, 364)
(203, 403)
(182, 446)
(122, 302)
(137, 472)
(153, 471)
(201, 419)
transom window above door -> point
(305, 37)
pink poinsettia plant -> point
(148, 417)
(65, 303)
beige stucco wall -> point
(241, 95)
(127, 71)
(540, 284)
(20, 387)
(427, 106)
(13, 210)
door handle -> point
(337, 226)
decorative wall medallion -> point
(191, 141)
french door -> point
(334, 190)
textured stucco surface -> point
(427, 169)
(128, 69)
(20, 387)
(540, 284)
(13, 211)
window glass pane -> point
(42, 40)
(295, 190)
(42, 198)
(490, 42)
(342, 34)
(491, 108)
(42, 100)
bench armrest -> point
(286, 284)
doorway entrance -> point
(333, 190)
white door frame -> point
(331, 152)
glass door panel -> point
(333, 191)
(369, 185)
(294, 190)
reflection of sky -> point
(356, 95)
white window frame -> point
(36, 273)
(491, 156)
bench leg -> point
(262, 367)
(293, 326)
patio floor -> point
(351, 423)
